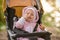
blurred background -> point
(2, 18)
(50, 19)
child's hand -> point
(42, 27)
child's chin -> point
(29, 21)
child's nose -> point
(29, 15)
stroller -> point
(13, 11)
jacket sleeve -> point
(20, 23)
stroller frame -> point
(10, 14)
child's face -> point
(30, 15)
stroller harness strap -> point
(35, 27)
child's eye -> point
(27, 13)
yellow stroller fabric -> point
(18, 11)
(20, 3)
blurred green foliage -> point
(45, 20)
(2, 20)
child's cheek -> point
(32, 17)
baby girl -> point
(28, 21)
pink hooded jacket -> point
(28, 26)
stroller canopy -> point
(20, 3)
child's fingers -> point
(42, 27)
(26, 17)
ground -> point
(55, 33)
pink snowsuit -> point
(28, 26)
